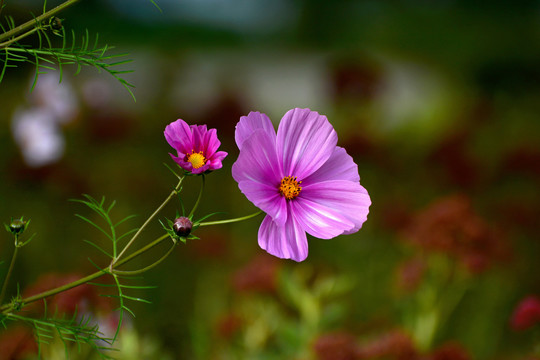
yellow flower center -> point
(290, 187)
(196, 159)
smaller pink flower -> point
(196, 147)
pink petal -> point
(319, 220)
(201, 169)
(266, 198)
(215, 160)
(340, 166)
(178, 135)
(248, 124)
(305, 141)
(199, 132)
(186, 165)
(258, 160)
(286, 242)
(210, 143)
(347, 198)
(257, 172)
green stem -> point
(210, 223)
(198, 199)
(171, 195)
(97, 274)
(142, 250)
(140, 271)
(9, 42)
(37, 20)
(6, 280)
(57, 53)
(119, 262)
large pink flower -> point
(300, 179)
(196, 147)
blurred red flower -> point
(410, 274)
(449, 225)
(17, 343)
(395, 344)
(336, 346)
(81, 299)
(228, 326)
(449, 351)
(260, 275)
(526, 314)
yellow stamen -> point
(196, 159)
(290, 187)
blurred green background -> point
(437, 101)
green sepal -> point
(16, 301)
(27, 241)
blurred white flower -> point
(37, 129)
(38, 136)
(58, 98)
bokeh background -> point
(437, 101)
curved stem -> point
(33, 22)
(119, 262)
(140, 271)
(97, 274)
(142, 250)
(198, 199)
(209, 223)
(171, 195)
(6, 280)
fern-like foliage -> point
(78, 330)
(111, 230)
(56, 49)
(111, 233)
(123, 298)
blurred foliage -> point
(436, 101)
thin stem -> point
(113, 235)
(9, 42)
(198, 199)
(68, 57)
(209, 223)
(97, 274)
(171, 195)
(6, 280)
(33, 22)
(151, 266)
(59, 289)
(1, 5)
(118, 263)
(142, 250)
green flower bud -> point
(55, 23)
(17, 226)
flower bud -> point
(182, 226)
(55, 23)
(17, 226)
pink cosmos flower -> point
(300, 179)
(196, 147)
